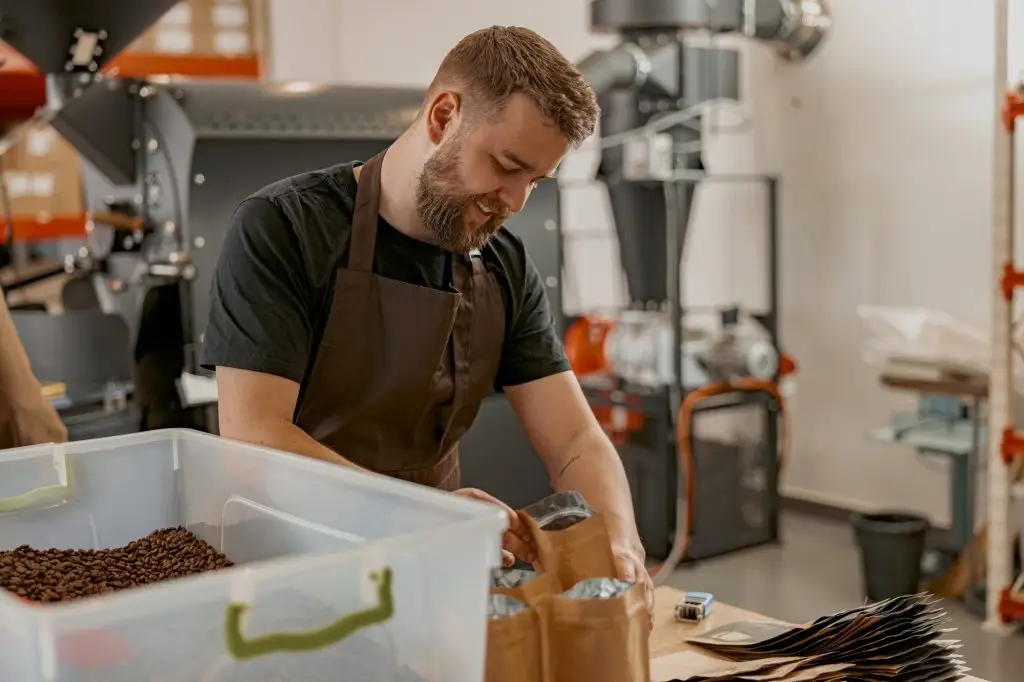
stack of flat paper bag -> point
(897, 639)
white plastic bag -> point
(917, 334)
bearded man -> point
(360, 314)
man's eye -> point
(501, 167)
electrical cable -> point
(684, 450)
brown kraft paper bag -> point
(517, 648)
(585, 639)
(577, 553)
(599, 639)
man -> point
(26, 417)
(360, 314)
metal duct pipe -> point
(624, 66)
(795, 27)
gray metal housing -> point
(198, 149)
(651, 75)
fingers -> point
(519, 546)
(630, 568)
(625, 567)
(507, 559)
(517, 538)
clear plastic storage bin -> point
(311, 542)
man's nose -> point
(515, 196)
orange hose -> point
(689, 404)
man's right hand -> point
(516, 542)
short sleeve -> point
(532, 349)
(260, 312)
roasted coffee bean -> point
(53, 575)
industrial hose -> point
(687, 480)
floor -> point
(815, 572)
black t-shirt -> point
(273, 285)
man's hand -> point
(35, 423)
(26, 417)
(630, 567)
(517, 541)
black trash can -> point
(891, 549)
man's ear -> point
(442, 113)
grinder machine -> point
(694, 409)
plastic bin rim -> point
(377, 482)
(238, 579)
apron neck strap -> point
(465, 267)
(364, 230)
(365, 216)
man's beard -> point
(441, 204)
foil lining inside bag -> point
(598, 588)
(512, 577)
(503, 606)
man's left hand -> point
(630, 567)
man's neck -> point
(398, 175)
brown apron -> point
(402, 369)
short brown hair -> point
(491, 64)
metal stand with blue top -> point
(949, 422)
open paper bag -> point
(560, 639)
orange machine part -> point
(1013, 110)
(1011, 279)
(787, 365)
(35, 229)
(132, 65)
(1011, 607)
(584, 347)
(584, 344)
(1012, 445)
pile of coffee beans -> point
(53, 575)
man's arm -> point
(22, 405)
(259, 334)
(542, 389)
(257, 408)
(575, 450)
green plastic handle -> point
(40, 496)
(243, 649)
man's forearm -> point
(591, 466)
(284, 435)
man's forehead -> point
(525, 138)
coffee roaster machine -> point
(166, 162)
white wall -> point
(883, 141)
(887, 171)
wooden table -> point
(669, 637)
